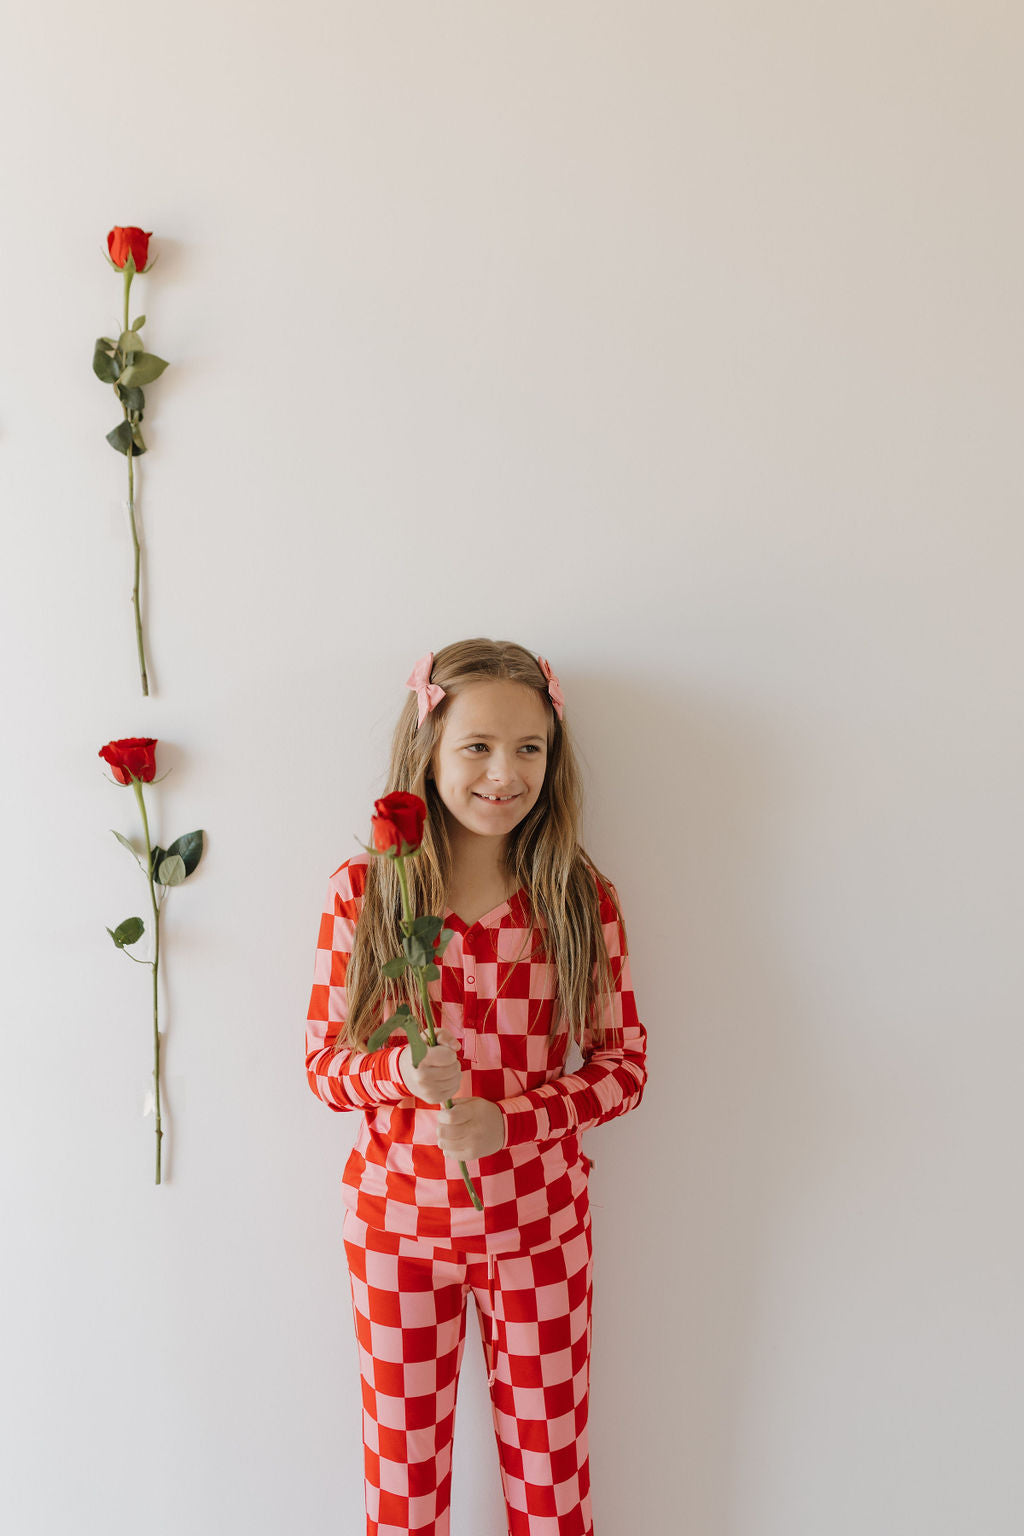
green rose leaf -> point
(146, 367)
(427, 927)
(378, 1037)
(125, 436)
(417, 1045)
(430, 972)
(172, 870)
(156, 857)
(103, 365)
(417, 951)
(401, 1019)
(128, 932)
(386, 1030)
(139, 323)
(129, 342)
(189, 849)
(120, 437)
(133, 399)
(394, 968)
(444, 938)
(126, 844)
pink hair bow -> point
(428, 693)
(554, 687)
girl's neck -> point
(479, 880)
(476, 861)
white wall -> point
(682, 343)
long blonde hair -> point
(543, 854)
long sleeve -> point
(611, 1080)
(345, 1079)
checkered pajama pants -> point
(409, 1298)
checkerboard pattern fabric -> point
(495, 993)
(409, 1298)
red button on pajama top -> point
(495, 994)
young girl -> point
(537, 968)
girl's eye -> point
(529, 746)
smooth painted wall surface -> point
(682, 343)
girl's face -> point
(490, 762)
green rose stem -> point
(129, 273)
(138, 554)
(155, 963)
(428, 1012)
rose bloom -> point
(399, 819)
(122, 243)
(133, 757)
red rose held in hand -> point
(122, 243)
(399, 819)
(133, 757)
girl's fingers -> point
(450, 1123)
(471, 1129)
(440, 1058)
(437, 1077)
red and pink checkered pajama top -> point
(495, 994)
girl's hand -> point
(472, 1128)
(438, 1075)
